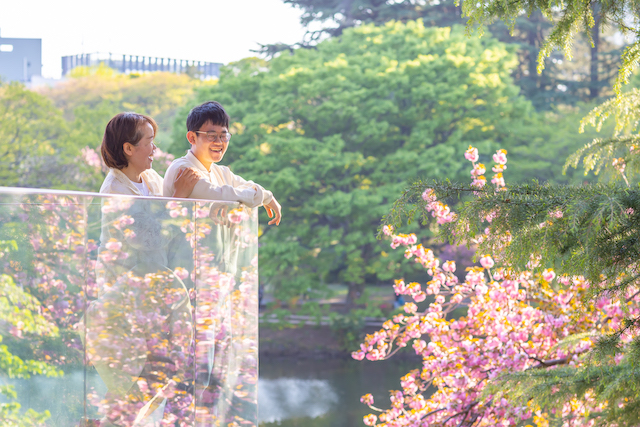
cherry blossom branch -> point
(465, 412)
(548, 363)
(434, 412)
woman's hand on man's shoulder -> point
(184, 182)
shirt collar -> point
(192, 157)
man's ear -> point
(191, 137)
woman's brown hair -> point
(124, 127)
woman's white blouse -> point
(116, 182)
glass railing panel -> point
(43, 258)
(142, 311)
(139, 324)
(226, 307)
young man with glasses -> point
(208, 134)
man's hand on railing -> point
(274, 210)
(219, 213)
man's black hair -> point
(210, 111)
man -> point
(208, 134)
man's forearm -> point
(250, 196)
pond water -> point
(309, 393)
(324, 393)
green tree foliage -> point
(93, 95)
(541, 144)
(583, 78)
(563, 82)
(31, 129)
(338, 15)
(336, 132)
(574, 18)
(20, 315)
(596, 235)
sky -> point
(200, 30)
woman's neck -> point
(133, 175)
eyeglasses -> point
(212, 136)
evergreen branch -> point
(598, 235)
(574, 339)
(599, 154)
(601, 380)
(629, 64)
(622, 107)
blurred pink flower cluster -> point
(94, 160)
(138, 315)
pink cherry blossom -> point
(370, 420)
(500, 157)
(478, 169)
(471, 154)
(479, 182)
(449, 266)
(557, 214)
(236, 216)
(428, 195)
(113, 245)
(548, 275)
(619, 164)
(91, 157)
(367, 399)
(498, 180)
(486, 262)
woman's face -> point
(140, 157)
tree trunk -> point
(355, 291)
(594, 84)
(534, 48)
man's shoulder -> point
(179, 162)
(226, 175)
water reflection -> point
(323, 393)
(62, 396)
(292, 393)
(285, 398)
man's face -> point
(205, 150)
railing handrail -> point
(27, 190)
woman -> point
(138, 330)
